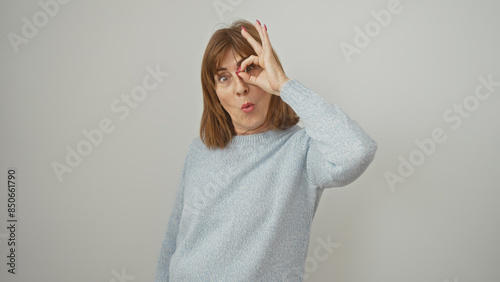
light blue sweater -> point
(244, 213)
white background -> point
(108, 216)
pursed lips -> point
(246, 105)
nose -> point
(241, 86)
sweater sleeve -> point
(169, 241)
(339, 151)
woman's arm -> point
(169, 242)
(339, 149)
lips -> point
(246, 105)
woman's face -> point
(246, 104)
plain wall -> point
(415, 78)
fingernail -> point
(265, 27)
(258, 22)
(244, 28)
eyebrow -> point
(238, 64)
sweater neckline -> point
(261, 138)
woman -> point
(252, 181)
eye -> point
(249, 68)
(222, 78)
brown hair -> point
(216, 129)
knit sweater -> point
(244, 213)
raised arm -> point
(339, 149)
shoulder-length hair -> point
(217, 129)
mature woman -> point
(252, 181)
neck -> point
(260, 129)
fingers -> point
(264, 58)
(259, 30)
(246, 77)
(264, 37)
(249, 61)
(255, 45)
